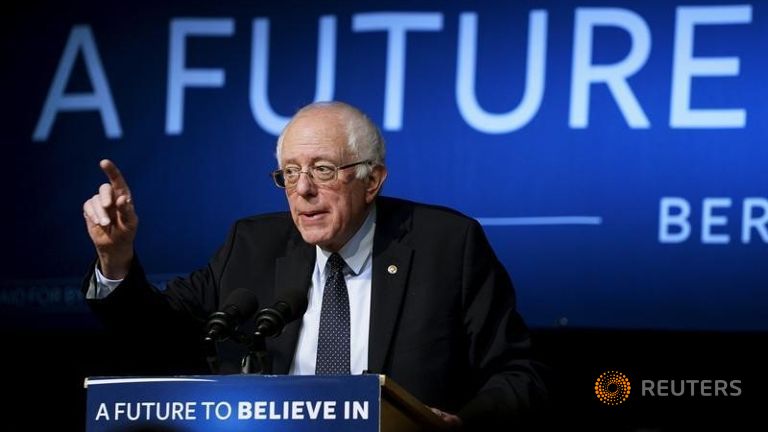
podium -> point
(360, 403)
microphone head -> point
(288, 307)
(241, 304)
(238, 307)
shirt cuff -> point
(101, 286)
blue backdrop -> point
(614, 150)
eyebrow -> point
(314, 161)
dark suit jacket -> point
(444, 326)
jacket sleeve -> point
(159, 331)
(510, 386)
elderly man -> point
(393, 287)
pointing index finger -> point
(115, 177)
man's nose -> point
(305, 186)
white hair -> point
(364, 139)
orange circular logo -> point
(612, 387)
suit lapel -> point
(291, 271)
(391, 267)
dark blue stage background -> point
(567, 172)
(615, 151)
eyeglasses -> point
(322, 173)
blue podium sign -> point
(234, 403)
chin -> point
(314, 238)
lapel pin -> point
(392, 269)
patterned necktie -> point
(333, 343)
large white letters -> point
(80, 39)
(396, 25)
(751, 222)
(587, 70)
(686, 66)
(709, 220)
(679, 219)
(675, 220)
(179, 76)
(534, 77)
(584, 73)
(262, 110)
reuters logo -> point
(612, 388)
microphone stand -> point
(269, 323)
(256, 361)
(212, 356)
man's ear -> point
(375, 182)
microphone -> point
(288, 307)
(239, 306)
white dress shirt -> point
(358, 254)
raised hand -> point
(112, 223)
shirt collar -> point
(357, 250)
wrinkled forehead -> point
(314, 135)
